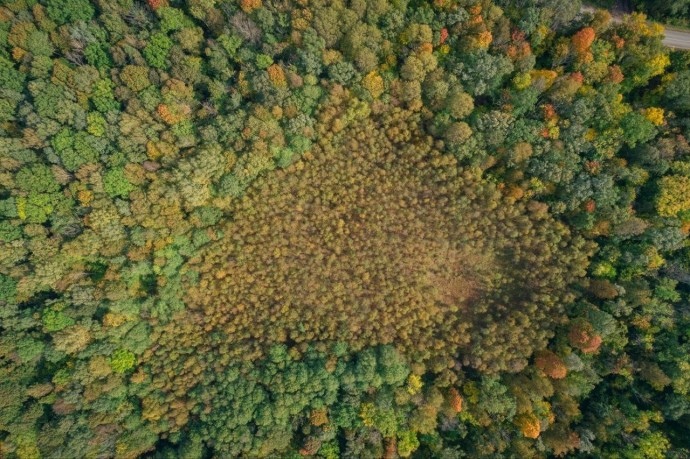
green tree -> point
(67, 11)
(122, 361)
(156, 50)
(115, 183)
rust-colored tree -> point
(551, 364)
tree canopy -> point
(329, 228)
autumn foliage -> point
(550, 364)
(529, 425)
(583, 39)
(371, 255)
(582, 336)
(329, 228)
(455, 400)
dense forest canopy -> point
(358, 229)
(395, 245)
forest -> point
(343, 229)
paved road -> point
(674, 38)
(678, 39)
